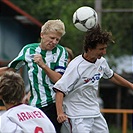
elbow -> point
(57, 78)
(58, 92)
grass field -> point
(116, 130)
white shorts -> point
(85, 125)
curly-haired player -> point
(77, 89)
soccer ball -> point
(85, 18)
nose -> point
(104, 51)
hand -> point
(132, 86)
(62, 117)
(38, 59)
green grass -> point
(114, 129)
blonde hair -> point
(53, 26)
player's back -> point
(25, 119)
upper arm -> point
(67, 81)
(108, 73)
(61, 62)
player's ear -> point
(89, 49)
(41, 34)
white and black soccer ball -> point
(85, 18)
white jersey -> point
(80, 84)
(25, 119)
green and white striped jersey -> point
(41, 86)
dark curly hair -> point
(96, 36)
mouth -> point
(100, 56)
(51, 46)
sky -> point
(125, 64)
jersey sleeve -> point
(68, 80)
(108, 73)
(19, 61)
(61, 62)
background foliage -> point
(119, 23)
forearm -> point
(61, 116)
(117, 79)
(59, 102)
(54, 76)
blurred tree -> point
(44, 10)
(119, 23)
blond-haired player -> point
(46, 62)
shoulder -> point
(5, 120)
(32, 45)
(78, 60)
(102, 60)
(60, 47)
(60, 51)
(5, 115)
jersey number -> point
(38, 130)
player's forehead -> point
(101, 45)
(53, 35)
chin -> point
(49, 49)
(99, 57)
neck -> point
(42, 47)
(8, 106)
(89, 58)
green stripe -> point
(35, 78)
(61, 51)
(46, 86)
